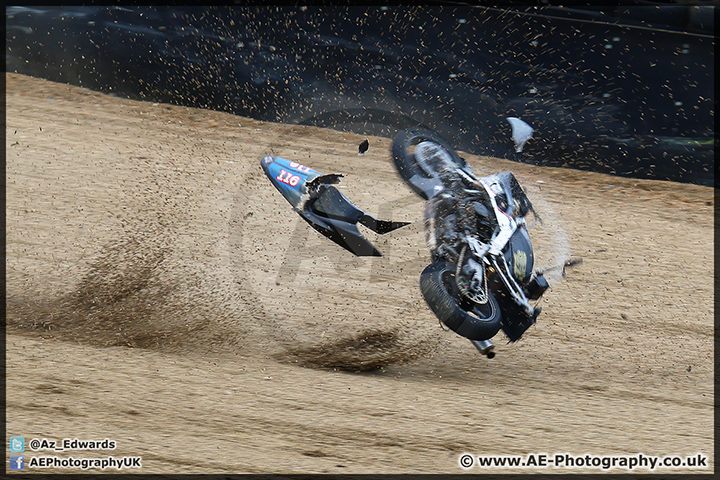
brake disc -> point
(471, 278)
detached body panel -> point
(323, 206)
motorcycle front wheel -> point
(418, 154)
(469, 319)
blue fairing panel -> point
(323, 206)
(288, 177)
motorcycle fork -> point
(511, 285)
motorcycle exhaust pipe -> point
(486, 347)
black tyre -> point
(471, 320)
(421, 173)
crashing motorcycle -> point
(481, 278)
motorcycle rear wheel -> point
(471, 320)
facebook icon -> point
(17, 462)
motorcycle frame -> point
(495, 251)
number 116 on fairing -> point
(288, 178)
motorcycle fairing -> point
(519, 256)
(514, 322)
(323, 206)
(518, 194)
(290, 178)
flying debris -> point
(521, 132)
(364, 145)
